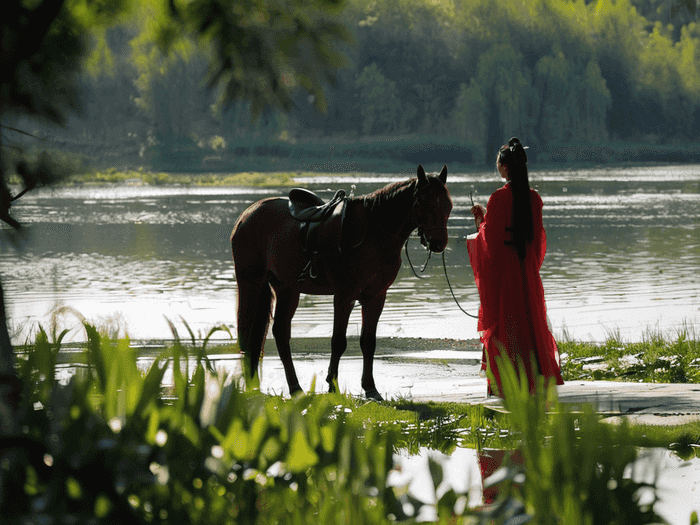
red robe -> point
(512, 314)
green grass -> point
(655, 359)
(155, 178)
(199, 179)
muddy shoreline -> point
(385, 345)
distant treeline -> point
(424, 81)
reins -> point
(447, 278)
(444, 266)
(421, 231)
(411, 264)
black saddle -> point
(321, 225)
(306, 206)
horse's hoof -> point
(373, 395)
(295, 390)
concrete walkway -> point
(642, 403)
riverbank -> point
(288, 178)
(259, 162)
(447, 371)
(663, 392)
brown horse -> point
(269, 256)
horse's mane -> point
(378, 198)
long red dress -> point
(512, 315)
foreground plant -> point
(574, 467)
(107, 447)
(112, 446)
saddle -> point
(321, 225)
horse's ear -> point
(443, 174)
(422, 177)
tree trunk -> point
(9, 382)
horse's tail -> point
(254, 309)
(253, 319)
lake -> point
(623, 256)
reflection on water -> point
(677, 481)
(623, 253)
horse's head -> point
(432, 205)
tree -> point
(380, 106)
(469, 118)
(553, 81)
(171, 87)
(594, 102)
(260, 51)
(511, 100)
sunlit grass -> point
(657, 358)
(189, 179)
(155, 178)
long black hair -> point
(513, 155)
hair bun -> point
(515, 146)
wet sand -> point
(423, 369)
(385, 345)
(403, 367)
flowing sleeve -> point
(484, 252)
(493, 228)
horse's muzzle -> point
(437, 245)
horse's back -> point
(264, 233)
(261, 223)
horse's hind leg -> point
(287, 303)
(253, 319)
(342, 308)
(371, 310)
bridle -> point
(422, 230)
(421, 233)
(418, 215)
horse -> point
(269, 257)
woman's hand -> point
(478, 211)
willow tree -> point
(260, 51)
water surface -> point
(623, 256)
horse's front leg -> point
(342, 308)
(371, 310)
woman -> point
(506, 255)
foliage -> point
(554, 72)
(379, 102)
(111, 445)
(574, 466)
(258, 52)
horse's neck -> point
(394, 219)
